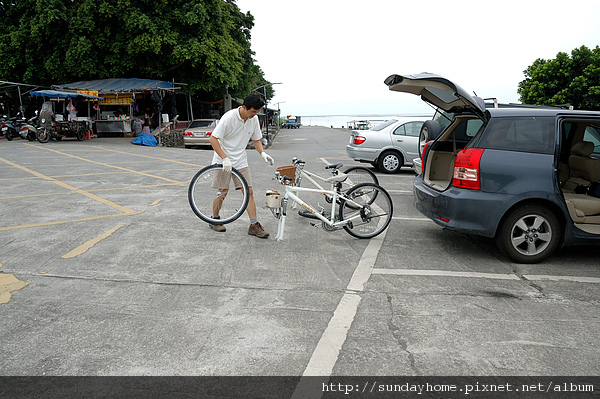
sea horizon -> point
(346, 120)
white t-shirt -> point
(234, 134)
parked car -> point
(387, 146)
(519, 175)
(198, 132)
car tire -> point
(529, 234)
(429, 131)
(390, 162)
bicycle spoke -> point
(213, 193)
(374, 214)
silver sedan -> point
(198, 132)
(387, 146)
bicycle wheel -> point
(357, 175)
(214, 193)
(372, 216)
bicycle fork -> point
(282, 216)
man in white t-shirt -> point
(229, 140)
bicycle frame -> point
(310, 175)
(291, 194)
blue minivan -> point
(526, 176)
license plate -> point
(198, 134)
(4, 129)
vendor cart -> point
(54, 126)
(77, 129)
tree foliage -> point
(573, 79)
(203, 43)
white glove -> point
(226, 165)
(267, 158)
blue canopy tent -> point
(117, 85)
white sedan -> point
(387, 146)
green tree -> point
(203, 43)
(573, 79)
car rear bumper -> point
(468, 211)
(196, 141)
(361, 154)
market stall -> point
(122, 100)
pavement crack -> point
(396, 333)
(181, 283)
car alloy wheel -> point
(390, 162)
(529, 234)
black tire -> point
(374, 214)
(201, 195)
(9, 136)
(357, 175)
(529, 234)
(429, 131)
(43, 135)
(80, 134)
(390, 161)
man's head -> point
(251, 106)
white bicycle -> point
(354, 175)
(364, 211)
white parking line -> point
(328, 348)
(398, 191)
(410, 219)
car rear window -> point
(383, 125)
(526, 134)
(199, 124)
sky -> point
(332, 56)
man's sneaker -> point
(257, 230)
(217, 227)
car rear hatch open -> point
(439, 92)
(439, 168)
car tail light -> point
(187, 134)
(359, 140)
(466, 169)
(208, 134)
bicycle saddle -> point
(334, 166)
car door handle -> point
(399, 140)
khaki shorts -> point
(222, 180)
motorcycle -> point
(10, 127)
(29, 130)
(46, 123)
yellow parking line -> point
(32, 225)
(27, 226)
(32, 195)
(161, 159)
(89, 244)
(113, 166)
(71, 188)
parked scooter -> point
(10, 127)
(30, 128)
